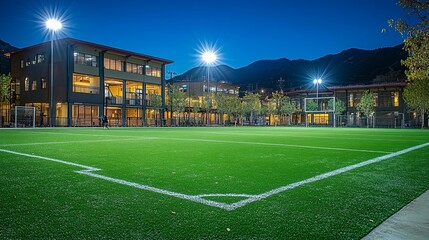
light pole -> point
(209, 58)
(317, 82)
(53, 25)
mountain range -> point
(349, 67)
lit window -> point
(26, 84)
(351, 100)
(375, 99)
(34, 85)
(395, 96)
(22, 63)
(43, 80)
(40, 58)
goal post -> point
(25, 117)
(319, 105)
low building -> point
(90, 80)
(390, 108)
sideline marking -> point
(126, 138)
(200, 198)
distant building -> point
(197, 90)
(90, 80)
(390, 108)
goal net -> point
(319, 105)
(24, 117)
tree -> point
(195, 110)
(416, 95)
(156, 102)
(340, 106)
(278, 98)
(288, 108)
(417, 46)
(252, 105)
(366, 105)
(206, 105)
(177, 101)
(269, 108)
(221, 105)
(311, 105)
(417, 38)
(4, 93)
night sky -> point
(241, 31)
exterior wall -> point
(84, 104)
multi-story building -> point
(90, 80)
(390, 108)
(195, 91)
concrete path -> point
(411, 222)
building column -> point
(144, 104)
(162, 93)
(70, 70)
(124, 103)
(102, 94)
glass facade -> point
(113, 64)
(83, 83)
(85, 59)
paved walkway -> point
(411, 222)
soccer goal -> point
(319, 109)
(24, 117)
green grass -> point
(41, 199)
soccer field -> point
(206, 183)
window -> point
(375, 99)
(22, 63)
(26, 84)
(113, 64)
(85, 59)
(34, 85)
(40, 58)
(351, 100)
(395, 99)
(43, 80)
(134, 68)
(34, 60)
(27, 63)
(153, 71)
(86, 84)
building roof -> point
(102, 48)
(350, 87)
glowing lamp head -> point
(209, 57)
(53, 24)
(317, 81)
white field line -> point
(323, 176)
(82, 141)
(126, 138)
(276, 144)
(200, 198)
(89, 171)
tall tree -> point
(416, 95)
(156, 102)
(252, 105)
(177, 101)
(288, 108)
(366, 105)
(339, 108)
(417, 37)
(417, 46)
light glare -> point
(209, 57)
(317, 81)
(53, 24)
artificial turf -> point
(41, 199)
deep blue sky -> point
(243, 31)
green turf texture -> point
(40, 199)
